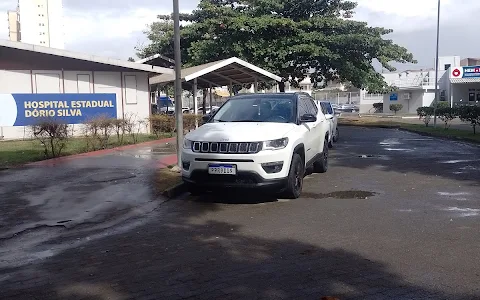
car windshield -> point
(257, 110)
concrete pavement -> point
(395, 217)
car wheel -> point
(321, 165)
(295, 178)
(337, 134)
(330, 143)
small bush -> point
(162, 124)
(425, 113)
(443, 104)
(378, 107)
(119, 129)
(53, 135)
(446, 114)
(190, 121)
(469, 114)
(396, 107)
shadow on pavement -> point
(180, 257)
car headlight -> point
(187, 144)
(275, 144)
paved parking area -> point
(397, 216)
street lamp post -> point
(178, 81)
(436, 69)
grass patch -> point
(165, 179)
(17, 152)
(450, 133)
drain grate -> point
(368, 156)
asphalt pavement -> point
(395, 217)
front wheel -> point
(321, 165)
(295, 178)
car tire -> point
(321, 165)
(330, 143)
(295, 178)
(337, 134)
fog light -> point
(186, 165)
(273, 167)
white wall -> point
(134, 101)
(409, 106)
(461, 93)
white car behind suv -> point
(258, 141)
(332, 117)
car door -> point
(317, 128)
(304, 107)
(324, 109)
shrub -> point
(162, 124)
(470, 114)
(425, 113)
(190, 121)
(119, 129)
(97, 132)
(396, 107)
(378, 107)
(443, 104)
(446, 114)
(53, 135)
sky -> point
(113, 28)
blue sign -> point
(393, 97)
(29, 109)
(469, 72)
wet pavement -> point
(95, 190)
(397, 216)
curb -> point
(175, 191)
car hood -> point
(240, 132)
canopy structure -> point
(227, 72)
(220, 73)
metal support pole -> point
(436, 69)
(231, 88)
(178, 81)
(195, 104)
(255, 85)
(210, 98)
(338, 98)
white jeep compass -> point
(258, 141)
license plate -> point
(222, 169)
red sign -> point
(456, 73)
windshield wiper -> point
(246, 120)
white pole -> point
(178, 81)
(436, 69)
(195, 105)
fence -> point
(339, 97)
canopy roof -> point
(219, 73)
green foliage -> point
(396, 107)
(425, 113)
(446, 114)
(378, 106)
(441, 104)
(469, 114)
(286, 37)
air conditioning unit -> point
(407, 96)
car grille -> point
(232, 148)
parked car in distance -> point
(348, 108)
(257, 141)
(332, 118)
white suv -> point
(258, 141)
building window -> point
(447, 66)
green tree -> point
(287, 37)
(396, 107)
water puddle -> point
(340, 195)
(164, 149)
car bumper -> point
(250, 168)
(243, 180)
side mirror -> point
(307, 118)
(329, 116)
(206, 118)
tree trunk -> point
(281, 87)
